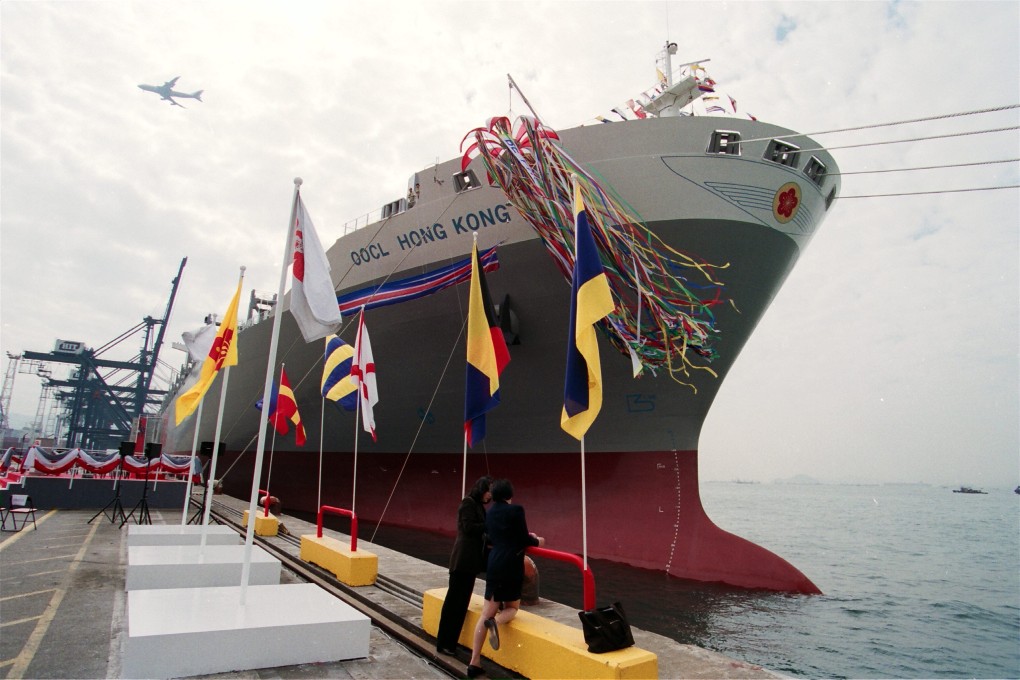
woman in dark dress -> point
(509, 537)
(466, 562)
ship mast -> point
(667, 59)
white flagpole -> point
(362, 392)
(207, 498)
(266, 392)
(191, 466)
(272, 444)
(584, 485)
(272, 448)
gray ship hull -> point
(641, 452)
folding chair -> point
(18, 504)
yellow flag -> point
(223, 353)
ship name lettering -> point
(365, 255)
(419, 237)
(482, 218)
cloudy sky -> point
(891, 354)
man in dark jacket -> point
(466, 562)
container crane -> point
(100, 408)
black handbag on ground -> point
(606, 628)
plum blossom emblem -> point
(786, 202)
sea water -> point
(918, 582)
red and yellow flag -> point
(223, 353)
(487, 355)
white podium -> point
(175, 534)
(196, 631)
(190, 566)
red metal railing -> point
(571, 558)
(265, 501)
(339, 511)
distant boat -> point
(1017, 489)
(967, 489)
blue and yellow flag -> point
(590, 302)
(487, 355)
(336, 373)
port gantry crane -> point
(101, 408)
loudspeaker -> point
(127, 448)
(206, 448)
(153, 450)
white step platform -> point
(197, 631)
(190, 566)
(175, 534)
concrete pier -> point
(64, 609)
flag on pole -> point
(487, 355)
(363, 374)
(283, 407)
(312, 296)
(337, 383)
(199, 341)
(222, 353)
(590, 301)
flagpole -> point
(207, 500)
(362, 394)
(267, 387)
(467, 342)
(584, 483)
(272, 449)
(191, 467)
(272, 444)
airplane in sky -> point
(166, 92)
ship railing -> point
(359, 222)
(588, 578)
(329, 509)
(369, 218)
(391, 209)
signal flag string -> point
(871, 126)
(920, 193)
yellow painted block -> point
(357, 568)
(537, 647)
(264, 526)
